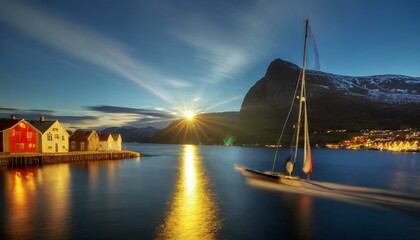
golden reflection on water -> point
(193, 213)
(305, 217)
(24, 203)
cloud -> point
(179, 83)
(137, 111)
(86, 45)
(37, 112)
(221, 60)
(226, 51)
(5, 109)
(223, 102)
(70, 121)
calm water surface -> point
(193, 192)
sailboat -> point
(287, 178)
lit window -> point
(20, 146)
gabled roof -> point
(115, 136)
(42, 126)
(103, 136)
(81, 135)
(6, 123)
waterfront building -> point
(52, 135)
(117, 144)
(106, 142)
(84, 140)
(17, 135)
(110, 142)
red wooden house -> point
(17, 135)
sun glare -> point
(189, 115)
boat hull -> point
(270, 176)
(290, 181)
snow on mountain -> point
(379, 88)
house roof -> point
(41, 126)
(115, 136)
(81, 135)
(103, 136)
(6, 123)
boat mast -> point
(301, 97)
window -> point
(19, 135)
(62, 138)
(57, 136)
(29, 135)
(55, 129)
(20, 146)
(73, 145)
(49, 137)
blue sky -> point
(114, 63)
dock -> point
(24, 160)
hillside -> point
(335, 102)
(210, 128)
(133, 134)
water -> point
(193, 192)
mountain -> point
(334, 102)
(132, 134)
(209, 128)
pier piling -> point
(25, 160)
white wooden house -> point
(110, 142)
(52, 135)
(106, 142)
(117, 145)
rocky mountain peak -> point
(335, 102)
(279, 67)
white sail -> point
(307, 159)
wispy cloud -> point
(86, 45)
(97, 117)
(70, 121)
(4, 110)
(125, 110)
(221, 60)
(226, 51)
(222, 103)
(179, 83)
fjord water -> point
(193, 192)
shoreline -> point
(24, 160)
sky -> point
(101, 63)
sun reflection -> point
(23, 202)
(189, 170)
(193, 213)
(20, 187)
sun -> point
(189, 115)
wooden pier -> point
(24, 160)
